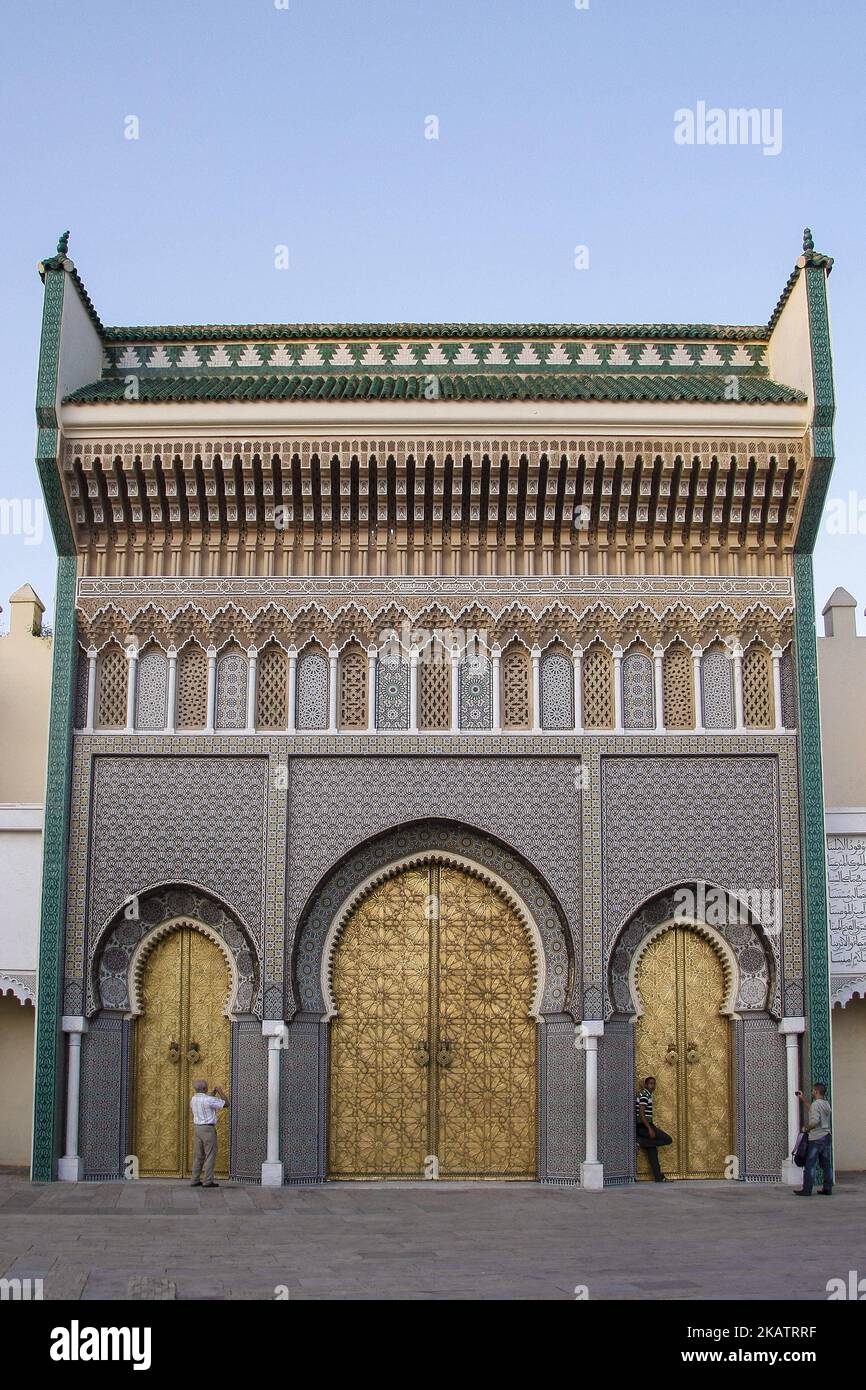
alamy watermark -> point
(740, 125)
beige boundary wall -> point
(842, 681)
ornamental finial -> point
(808, 243)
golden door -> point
(182, 1034)
(683, 1040)
(433, 1050)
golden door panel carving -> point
(378, 1105)
(683, 1040)
(487, 1091)
(433, 1052)
(181, 1034)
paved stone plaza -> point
(422, 1241)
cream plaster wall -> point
(25, 691)
(849, 1091)
(17, 1023)
(842, 683)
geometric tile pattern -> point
(669, 820)
(437, 839)
(196, 821)
(529, 803)
(754, 955)
(166, 905)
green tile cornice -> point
(572, 386)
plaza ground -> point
(430, 1240)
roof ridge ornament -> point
(60, 260)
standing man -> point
(205, 1109)
(819, 1148)
(649, 1137)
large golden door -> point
(182, 1034)
(433, 1050)
(683, 1040)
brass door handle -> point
(672, 1056)
(445, 1056)
(421, 1053)
(173, 1051)
(193, 1055)
(692, 1054)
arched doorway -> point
(433, 1045)
(182, 1033)
(683, 1039)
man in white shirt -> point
(205, 1109)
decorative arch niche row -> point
(437, 687)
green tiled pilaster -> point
(49, 1070)
(816, 925)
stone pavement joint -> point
(464, 1241)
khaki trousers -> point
(204, 1150)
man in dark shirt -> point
(649, 1137)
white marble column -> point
(617, 689)
(131, 682)
(91, 690)
(536, 689)
(171, 698)
(333, 676)
(697, 653)
(577, 663)
(211, 689)
(496, 686)
(659, 687)
(69, 1167)
(371, 689)
(413, 691)
(791, 1028)
(252, 659)
(738, 687)
(274, 1029)
(591, 1171)
(455, 689)
(777, 689)
(293, 690)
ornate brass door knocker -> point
(193, 1055)
(672, 1056)
(421, 1053)
(692, 1054)
(173, 1051)
(445, 1056)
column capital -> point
(591, 1028)
(92, 653)
(171, 652)
(211, 653)
(252, 652)
(74, 1023)
(792, 1025)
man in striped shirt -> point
(649, 1137)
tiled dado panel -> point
(189, 820)
(668, 820)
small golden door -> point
(182, 1033)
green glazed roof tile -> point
(599, 386)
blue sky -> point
(305, 126)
